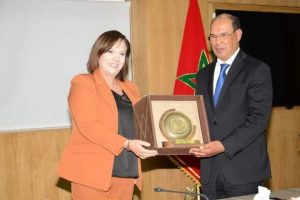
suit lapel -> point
(210, 84)
(105, 91)
(235, 68)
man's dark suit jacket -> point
(239, 120)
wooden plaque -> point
(172, 124)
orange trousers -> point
(120, 189)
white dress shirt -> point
(218, 67)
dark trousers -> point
(218, 187)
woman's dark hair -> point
(102, 45)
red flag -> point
(193, 57)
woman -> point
(101, 159)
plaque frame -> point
(149, 110)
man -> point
(238, 106)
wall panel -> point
(160, 59)
(28, 162)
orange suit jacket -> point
(88, 157)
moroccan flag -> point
(193, 57)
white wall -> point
(43, 44)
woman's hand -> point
(138, 148)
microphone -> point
(159, 189)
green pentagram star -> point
(190, 78)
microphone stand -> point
(158, 189)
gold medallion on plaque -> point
(177, 128)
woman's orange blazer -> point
(88, 157)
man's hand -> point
(208, 150)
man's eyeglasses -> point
(222, 36)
